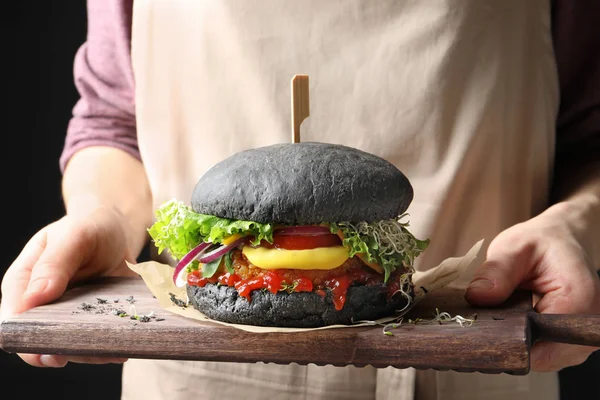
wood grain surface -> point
(498, 341)
(573, 329)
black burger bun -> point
(303, 183)
(298, 310)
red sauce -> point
(303, 285)
(228, 279)
(273, 281)
(339, 287)
(393, 286)
(247, 278)
(246, 287)
(196, 279)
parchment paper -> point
(159, 279)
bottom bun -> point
(298, 309)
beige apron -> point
(460, 95)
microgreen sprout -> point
(444, 317)
(289, 287)
(387, 243)
(404, 290)
(439, 317)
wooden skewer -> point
(300, 104)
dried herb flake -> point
(176, 301)
(87, 307)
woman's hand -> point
(551, 255)
(67, 251)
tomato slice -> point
(302, 242)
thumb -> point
(62, 258)
(508, 263)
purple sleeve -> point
(105, 112)
(577, 48)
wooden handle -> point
(300, 104)
(564, 328)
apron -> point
(460, 95)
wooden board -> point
(498, 341)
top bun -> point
(303, 183)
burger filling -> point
(249, 256)
(247, 277)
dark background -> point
(40, 39)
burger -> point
(294, 235)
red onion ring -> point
(307, 230)
(221, 251)
(187, 259)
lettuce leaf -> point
(179, 229)
(209, 269)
